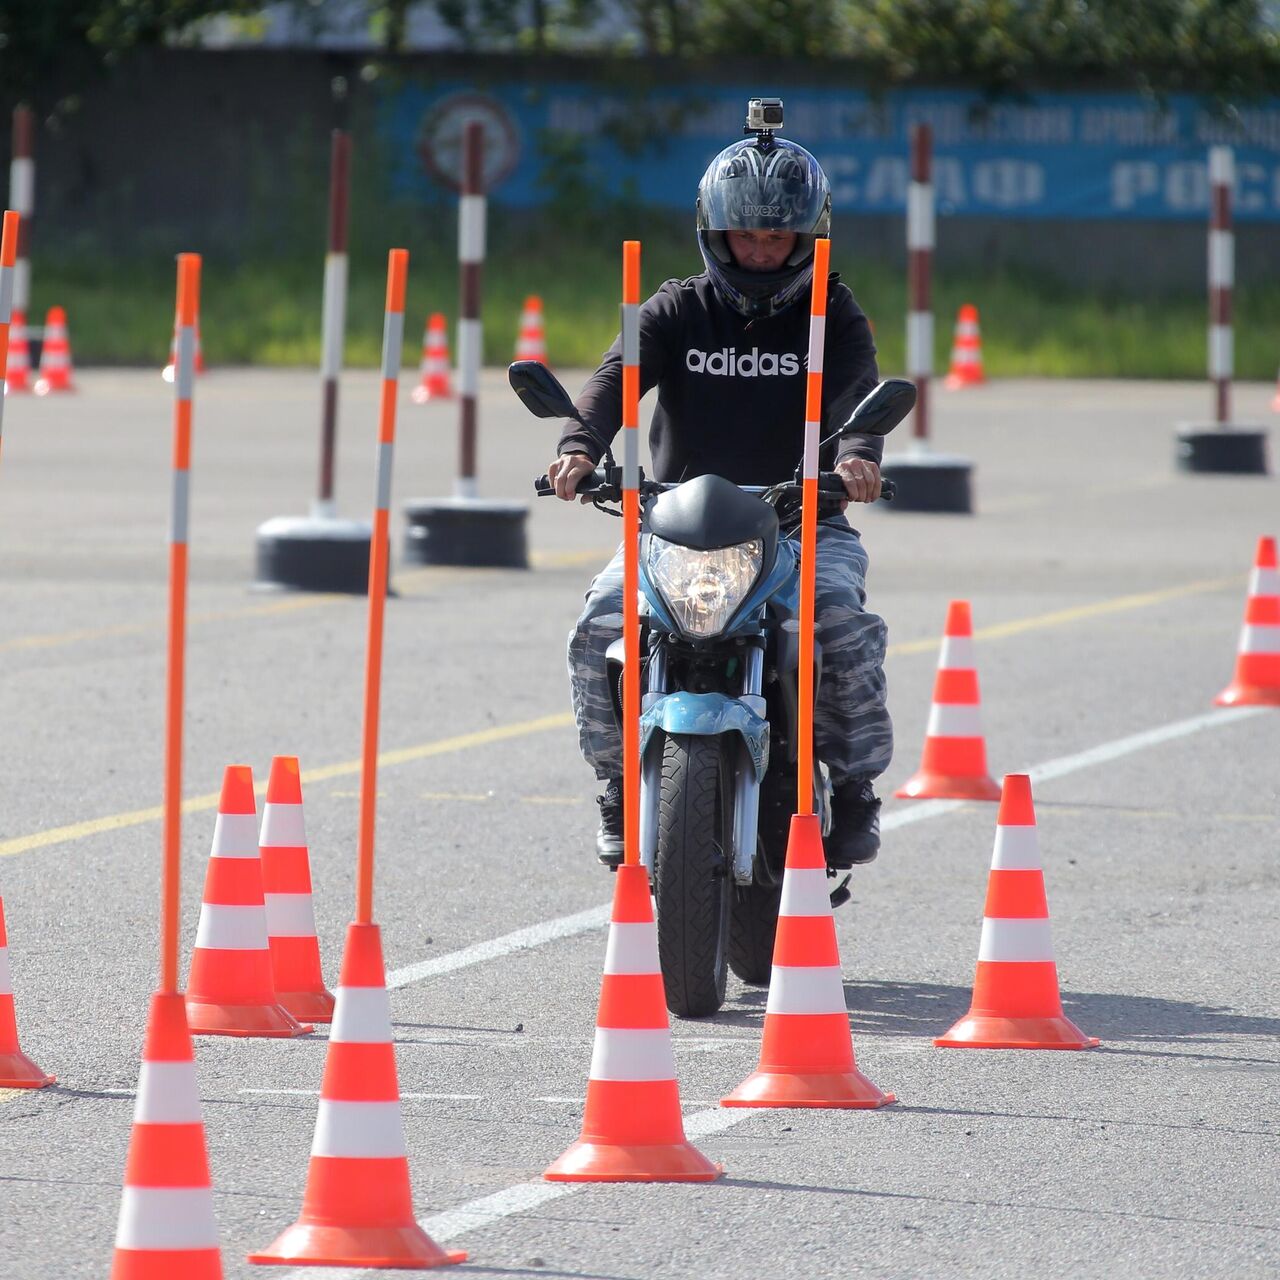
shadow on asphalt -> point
(927, 1009)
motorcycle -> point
(719, 582)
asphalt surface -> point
(1107, 591)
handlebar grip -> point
(888, 490)
(588, 484)
(543, 487)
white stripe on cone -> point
(1016, 849)
(805, 989)
(359, 1130)
(1015, 940)
(235, 835)
(224, 928)
(290, 915)
(167, 1094)
(805, 892)
(957, 654)
(282, 827)
(1255, 639)
(361, 1015)
(6, 976)
(1264, 582)
(167, 1218)
(633, 948)
(954, 720)
(632, 1054)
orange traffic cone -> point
(632, 1129)
(806, 1058)
(167, 372)
(435, 384)
(55, 355)
(17, 1071)
(1016, 1004)
(1257, 678)
(357, 1209)
(954, 766)
(231, 991)
(286, 884)
(17, 376)
(166, 1227)
(532, 342)
(966, 351)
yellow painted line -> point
(551, 799)
(502, 733)
(566, 559)
(1061, 617)
(348, 768)
(12, 1095)
(476, 797)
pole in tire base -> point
(466, 529)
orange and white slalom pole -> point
(1257, 676)
(920, 242)
(357, 1209)
(22, 199)
(633, 1128)
(167, 1226)
(335, 314)
(8, 255)
(1222, 270)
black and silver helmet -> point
(762, 184)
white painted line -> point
(521, 940)
(449, 1225)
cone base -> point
(43, 388)
(408, 1248)
(17, 1071)
(307, 1006)
(836, 1090)
(207, 1018)
(1248, 695)
(987, 1031)
(955, 381)
(941, 786)
(588, 1161)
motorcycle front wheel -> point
(691, 875)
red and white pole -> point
(22, 200)
(920, 241)
(1221, 280)
(631, 550)
(335, 312)
(471, 237)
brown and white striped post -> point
(925, 481)
(335, 314)
(1221, 445)
(1222, 258)
(920, 240)
(22, 200)
(471, 238)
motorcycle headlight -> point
(703, 588)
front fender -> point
(708, 715)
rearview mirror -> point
(883, 407)
(540, 390)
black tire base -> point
(466, 531)
(930, 482)
(1227, 450)
(308, 553)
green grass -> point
(265, 309)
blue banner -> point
(1058, 155)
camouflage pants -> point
(853, 734)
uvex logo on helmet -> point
(762, 211)
(727, 363)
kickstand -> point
(841, 894)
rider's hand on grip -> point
(566, 472)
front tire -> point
(691, 875)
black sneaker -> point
(855, 825)
(609, 837)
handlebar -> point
(830, 484)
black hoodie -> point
(731, 391)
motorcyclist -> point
(727, 351)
